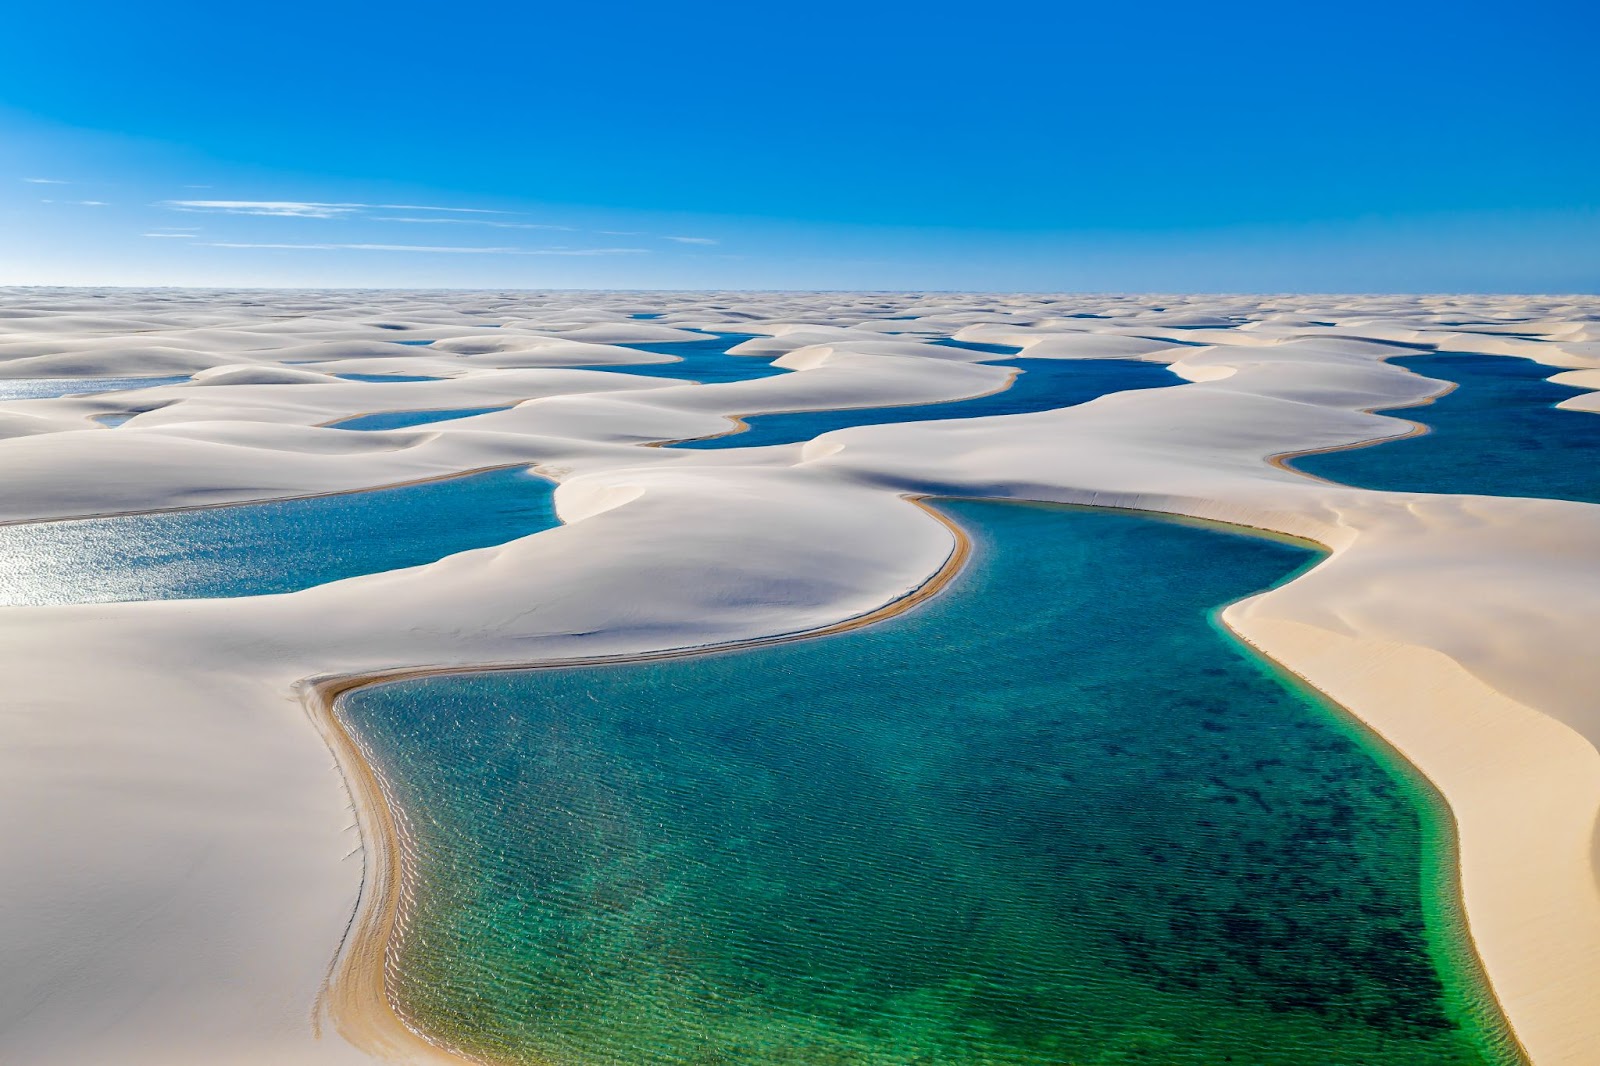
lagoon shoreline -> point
(356, 997)
(1458, 627)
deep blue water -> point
(253, 549)
(977, 346)
(405, 419)
(1497, 434)
(1043, 385)
(1052, 816)
(50, 388)
(706, 362)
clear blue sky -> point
(1002, 145)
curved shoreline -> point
(1281, 460)
(360, 965)
(1471, 918)
(1447, 826)
(741, 425)
(532, 467)
(355, 995)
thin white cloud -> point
(46, 181)
(468, 222)
(78, 203)
(429, 248)
(692, 240)
(183, 236)
(425, 207)
(306, 208)
(591, 252)
(272, 208)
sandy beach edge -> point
(1525, 858)
(355, 997)
(1376, 719)
(531, 466)
(740, 423)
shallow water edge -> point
(359, 998)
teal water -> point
(1053, 816)
(978, 346)
(406, 419)
(255, 549)
(387, 377)
(706, 362)
(1043, 385)
(52, 388)
(1497, 434)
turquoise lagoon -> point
(259, 548)
(406, 419)
(1043, 385)
(704, 361)
(1052, 816)
(1498, 433)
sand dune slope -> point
(182, 856)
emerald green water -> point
(1052, 816)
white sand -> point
(181, 859)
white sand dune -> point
(181, 854)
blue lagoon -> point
(1498, 433)
(1042, 385)
(1053, 815)
(259, 548)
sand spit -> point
(356, 997)
(182, 856)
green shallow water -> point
(1053, 816)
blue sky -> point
(1250, 146)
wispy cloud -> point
(78, 203)
(273, 208)
(425, 207)
(428, 248)
(469, 222)
(46, 181)
(692, 240)
(184, 236)
(307, 208)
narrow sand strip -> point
(356, 996)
